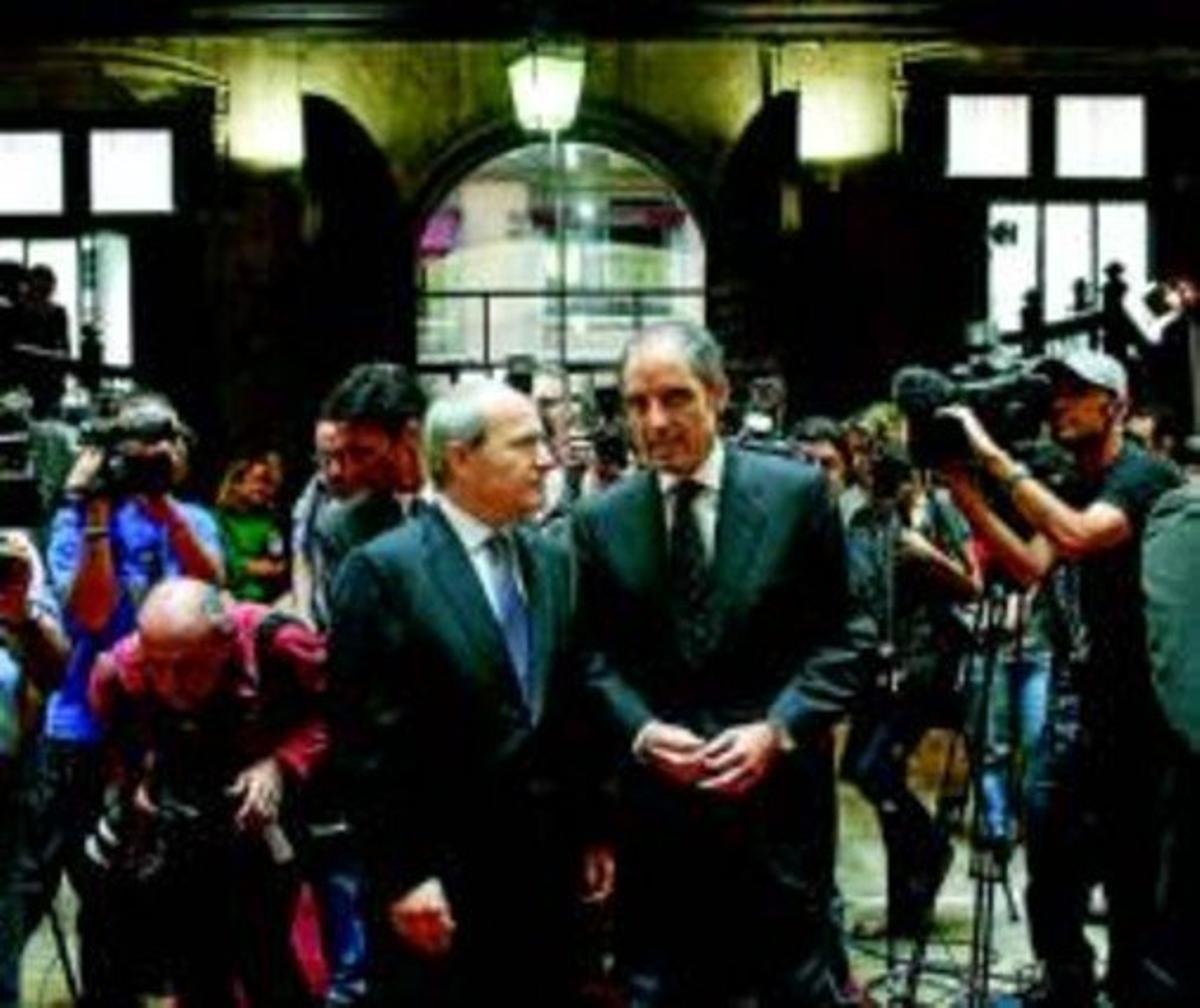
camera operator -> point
(33, 650)
(212, 711)
(1105, 780)
(119, 532)
(910, 563)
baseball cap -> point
(1090, 366)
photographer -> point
(119, 532)
(33, 650)
(910, 563)
(212, 712)
(1090, 801)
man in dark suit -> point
(714, 587)
(452, 663)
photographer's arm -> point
(1025, 561)
(93, 594)
(1072, 532)
(961, 577)
(197, 558)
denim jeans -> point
(1005, 726)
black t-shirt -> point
(1110, 580)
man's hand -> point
(422, 919)
(674, 751)
(739, 758)
(261, 789)
(599, 873)
(85, 472)
(978, 438)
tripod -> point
(988, 866)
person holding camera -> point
(1088, 808)
(119, 532)
(212, 711)
(33, 650)
(910, 564)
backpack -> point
(1171, 587)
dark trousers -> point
(883, 735)
(227, 912)
(518, 927)
(63, 806)
(1173, 967)
(12, 939)
(730, 903)
(1091, 818)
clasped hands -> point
(729, 764)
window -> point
(1052, 246)
(31, 173)
(988, 136)
(131, 171)
(93, 284)
(525, 258)
(1100, 137)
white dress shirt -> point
(474, 536)
(707, 501)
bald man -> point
(219, 701)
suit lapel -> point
(739, 537)
(642, 538)
(467, 605)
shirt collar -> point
(708, 474)
(470, 530)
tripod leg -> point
(63, 952)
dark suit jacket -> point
(451, 771)
(780, 603)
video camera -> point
(1010, 398)
(126, 470)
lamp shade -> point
(545, 89)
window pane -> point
(131, 171)
(31, 173)
(1124, 237)
(62, 256)
(106, 293)
(1012, 261)
(987, 136)
(524, 226)
(1100, 137)
(1069, 255)
(12, 250)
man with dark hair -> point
(379, 408)
(818, 439)
(455, 679)
(1089, 803)
(369, 474)
(714, 596)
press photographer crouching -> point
(117, 534)
(1091, 798)
(211, 710)
(909, 565)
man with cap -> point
(1088, 803)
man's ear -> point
(718, 394)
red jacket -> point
(276, 683)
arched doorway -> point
(555, 260)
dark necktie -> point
(689, 575)
(512, 612)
